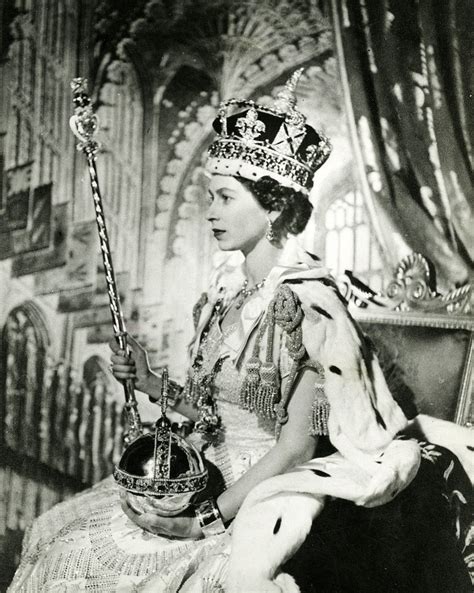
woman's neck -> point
(260, 260)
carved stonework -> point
(232, 41)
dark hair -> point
(294, 207)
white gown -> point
(87, 543)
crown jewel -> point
(268, 141)
(161, 471)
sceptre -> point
(85, 124)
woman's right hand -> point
(135, 366)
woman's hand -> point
(180, 527)
(135, 367)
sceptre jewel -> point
(246, 292)
(85, 125)
(160, 471)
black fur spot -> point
(470, 448)
(378, 462)
(327, 282)
(320, 473)
(336, 370)
(321, 311)
(379, 419)
(276, 529)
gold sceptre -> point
(85, 124)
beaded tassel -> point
(320, 413)
(192, 390)
(251, 382)
(267, 391)
(249, 391)
(289, 315)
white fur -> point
(257, 552)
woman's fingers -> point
(119, 359)
(124, 368)
(147, 521)
(131, 514)
(122, 376)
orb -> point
(161, 472)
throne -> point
(424, 341)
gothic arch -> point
(23, 359)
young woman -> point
(286, 369)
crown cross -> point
(249, 126)
(289, 139)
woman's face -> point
(238, 221)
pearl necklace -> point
(245, 292)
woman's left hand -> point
(180, 527)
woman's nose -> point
(211, 214)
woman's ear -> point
(273, 215)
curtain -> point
(405, 76)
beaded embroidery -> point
(260, 389)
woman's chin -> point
(226, 245)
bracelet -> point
(209, 518)
(174, 395)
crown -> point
(160, 471)
(268, 141)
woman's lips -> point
(217, 232)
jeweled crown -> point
(271, 141)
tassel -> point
(192, 389)
(249, 390)
(187, 389)
(320, 415)
(268, 390)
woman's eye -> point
(226, 198)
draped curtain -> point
(405, 71)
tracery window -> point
(23, 360)
(349, 243)
(40, 67)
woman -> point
(285, 368)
